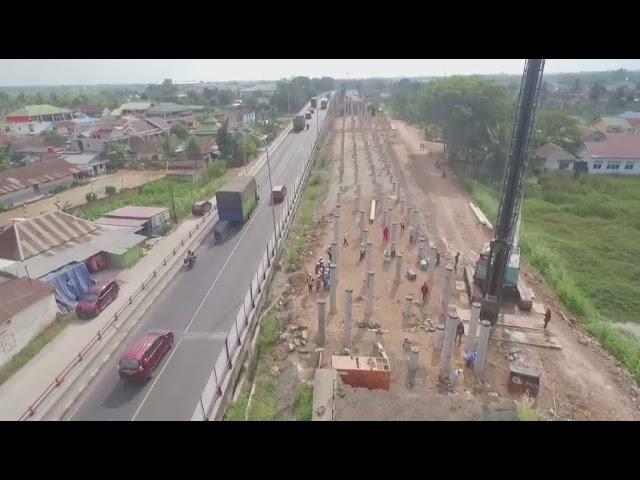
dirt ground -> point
(76, 195)
(578, 381)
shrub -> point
(110, 190)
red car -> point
(97, 299)
(200, 208)
(142, 359)
(278, 193)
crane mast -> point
(512, 189)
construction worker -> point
(412, 234)
(437, 258)
(455, 266)
(547, 317)
(424, 289)
(310, 281)
(329, 254)
(402, 226)
(385, 234)
(459, 331)
(345, 239)
(363, 250)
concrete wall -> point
(127, 259)
(18, 197)
(23, 327)
(622, 170)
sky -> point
(15, 72)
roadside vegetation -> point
(583, 236)
(581, 233)
(262, 403)
(313, 193)
(20, 359)
(160, 193)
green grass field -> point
(158, 193)
(583, 235)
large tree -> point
(557, 127)
(464, 109)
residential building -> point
(33, 119)
(89, 163)
(259, 90)
(147, 127)
(613, 125)
(93, 111)
(39, 113)
(146, 220)
(33, 181)
(134, 108)
(618, 154)
(26, 308)
(48, 242)
(146, 150)
(590, 134)
(555, 158)
(171, 111)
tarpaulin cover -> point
(71, 282)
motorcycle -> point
(217, 236)
(189, 262)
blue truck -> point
(237, 199)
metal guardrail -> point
(248, 314)
(111, 323)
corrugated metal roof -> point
(27, 238)
(169, 107)
(109, 240)
(616, 145)
(136, 106)
(136, 212)
(40, 172)
(121, 222)
(37, 110)
(615, 122)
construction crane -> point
(500, 251)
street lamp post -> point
(273, 208)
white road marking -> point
(245, 231)
(174, 349)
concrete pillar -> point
(413, 366)
(362, 219)
(481, 348)
(394, 232)
(408, 306)
(438, 339)
(322, 315)
(394, 189)
(473, 325)
(367, 260)
(357, 201)
(334, 251)
(398, 267)
(381, 202)
(336, 232)
(348, 318)
(369, 304)
(446, 294)
(447, 346)
(333, 280)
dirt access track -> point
(578, 381)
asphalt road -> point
(199, 306)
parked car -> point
(139, 363)
(97, 298)
(200, 208)
(278, 193)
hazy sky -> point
(73, 72)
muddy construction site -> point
(394, 345)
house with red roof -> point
(618, 154)
(553, 158)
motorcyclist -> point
(191, 258)
(216, 234)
